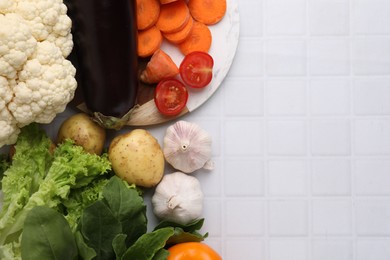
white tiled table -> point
(301, 131)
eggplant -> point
(105, 46)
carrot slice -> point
(148, 12)
(207, 11)
(163, 2)
(199, 39)
(160, 67)
(149, 41)
(180, 36)
(173, 16)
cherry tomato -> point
(170, 97)
(196, 69)
(192, 251)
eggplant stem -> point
(111, 122)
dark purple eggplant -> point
(105, 47)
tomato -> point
(170, 97)
(196, 69)
(192, 251)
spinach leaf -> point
(86, 252)
(148, 245)
(99, 227)
(47, 235)
(184, 233)
(119, 245)
(128, 208)
(161, 254)
(190, 227)
(181, 236)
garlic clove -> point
(178, 198)
(187, 147)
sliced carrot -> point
(160, 67)
(148, 12)
(199, 39)
(149, 41)
(180, 36)
(173, 16)
(163, 2)
(207, 11)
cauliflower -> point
(36, 79)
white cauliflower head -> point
(36, 79)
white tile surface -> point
(288, 218)
(332, 217)
(285, 97)
(371, 16)
(331, 177)
(285, 17)
(285, 57)
(371, 56)
(373, 249)
(292, 249)
(329, 17)
(286, 137)
(329, 96)
(332, 249)
(330, 137)
(305, 156)
(287, 177)
(329, 56)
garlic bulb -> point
(178, 198)
(187, 147)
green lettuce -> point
(39, 177)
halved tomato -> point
(196, 69)
(170, 96)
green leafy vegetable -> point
(47, 235)
(85, 251)
(184, 233)
(81, 198)
(115, 222)
(37, 177)
(4, 165)
(128, 207)
(149, 244)
(99, 227)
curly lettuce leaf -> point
(30, 162)
(81, 198)
(39, 178)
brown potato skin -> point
(84, 132)
(137, 157)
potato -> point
(84, 132)
(137, 157)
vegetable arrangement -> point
(185, 24)
(71, 203)
(75, 198)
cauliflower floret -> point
(48, 21)
(36, 80)
(16, 44)
(8, 124)
(7, 6)
(46, 85)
